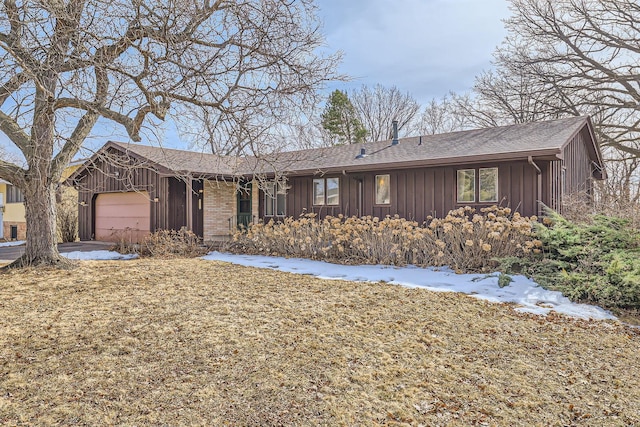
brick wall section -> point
(220, 204)
(255, 199)
(22, 229)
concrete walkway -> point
(11, 253)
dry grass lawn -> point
(193, 342)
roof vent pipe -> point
(395, 132)
(363, 153)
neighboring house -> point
(128, 190)
(13, 225)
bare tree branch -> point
(243, 64)
(378, 107)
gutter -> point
(539, 184)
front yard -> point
(194, 342)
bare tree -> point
(379, 106)
(587, 51)
(509, 96)
(66, 63)
(444, 115)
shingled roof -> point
(193, 162)
(540, 139)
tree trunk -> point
(40, 212)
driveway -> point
(10, 253)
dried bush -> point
(464, 239)
(67, 215)
(582, 208)
(124, 242)
(172, 243)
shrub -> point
(171, 243)
(67, 216)
(164, 244)
(595, 262)
(464, 239)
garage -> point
(122, 216)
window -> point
(318, 191)
(14, 195)
(466, 185)
(383, 189)
(326, 191)
(275, 201)
(488, 185)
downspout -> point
(539, 189)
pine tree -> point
(340, 120)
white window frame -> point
(322, 198)
(458, 173)
(494, 200)
(377, 189)
(319, 197)
(272, 199)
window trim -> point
(497, 183)
(325, 191)
(277, 188)
(476, 185)
(375, 189)
(13, 194)
(458, 185)
(314, 197)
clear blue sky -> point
(425, 47)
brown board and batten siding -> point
(167, 195)
(536, 162)
(105, 177)
(415, 193)
(577, 167)
(573, 173)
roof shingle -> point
(504, 142)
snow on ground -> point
(530, 297)
(14, 243)
(98, 255)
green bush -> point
(596, 262)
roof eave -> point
(594, 147)
(549, 154)
(120, 147)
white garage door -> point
(122, 216)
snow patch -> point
(530, 297)
(14, 243)
(98, 255)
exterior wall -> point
(576, 165)
(571, 175)
(104, 177)
(416, 193)
(13, 215)
(22, 229)
(255, 199)
(220, 209)
(13, 212)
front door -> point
(197, 200)
(244, 206)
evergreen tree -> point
(341, 121)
